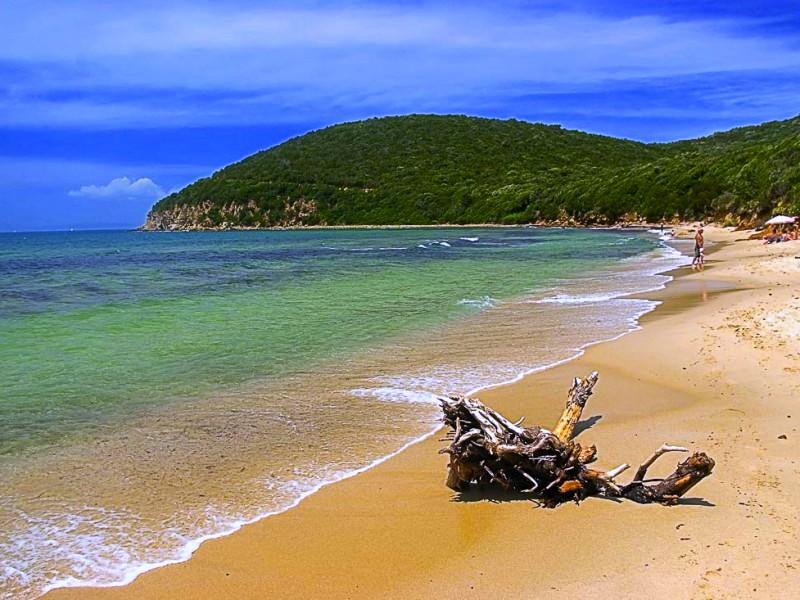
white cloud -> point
(121, 187)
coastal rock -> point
(232, 215)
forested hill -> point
(427, 169)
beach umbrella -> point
(781, 220)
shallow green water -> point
(158, 389)
(98, 324)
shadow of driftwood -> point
(491, 493)
(681, 501)
(606, 499)
(586, 424)
(497, 495)
(695, 502)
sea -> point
(161, 389)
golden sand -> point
(716, 368)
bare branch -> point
(642, 471)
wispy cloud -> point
(146, 64)
(121, 187)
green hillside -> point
(426, 169)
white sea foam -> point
(577, 299)
(427, 386)
(125, 572)
(482, 302)
(654, 264)
(664, 235)
(643, 273)
(470, 239)
(397, 394)
(299, 489)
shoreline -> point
(194, 545)
(450, 360)
(194, 573)
(666, 252)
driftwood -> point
(488, 449)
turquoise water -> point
(192, 364)
(98, 324)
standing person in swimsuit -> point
(699, 259)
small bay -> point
(157, 389)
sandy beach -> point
(716, 367)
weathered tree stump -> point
(488, 449)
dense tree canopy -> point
(426, 169)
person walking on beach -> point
(699, 258)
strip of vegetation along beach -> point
(714, 367)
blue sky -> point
(104, 107)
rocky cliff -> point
(207, 215)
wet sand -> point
(716, 367)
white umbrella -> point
(781, 220)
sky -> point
(107, 106)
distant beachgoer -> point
(699, 258)
(777, 238)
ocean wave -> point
(643, 273)
(430, 243)
(574, 299)
(482, 302)
(663, 235)
(83, 540)
(426, 386)
(470, 239)
(123, 573)
(663, 258)
(397, 394)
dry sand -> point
(716, 367)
